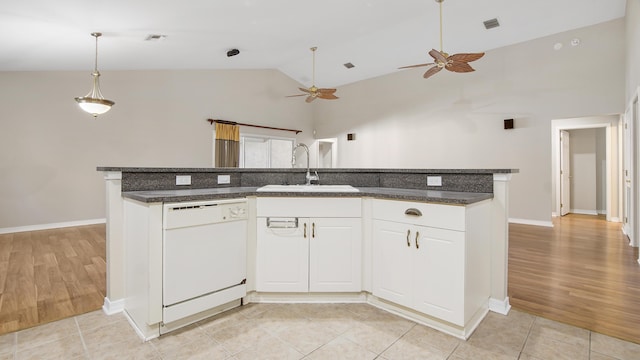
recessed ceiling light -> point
(557, 46)
(155, 37)
(349, 65)
(575, 42)
(490, 24)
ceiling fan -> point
(442, 60)
(314, 92)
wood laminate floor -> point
(580, 272)
(50, 275)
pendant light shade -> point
(94, 103)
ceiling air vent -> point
(490, 24)
(349, 65)
(155, 37)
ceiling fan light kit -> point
(94, 103)
(455, 63)
(314, 92)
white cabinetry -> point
(309, 244)
(432, 258)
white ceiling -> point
(377, 36)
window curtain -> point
(227, 145)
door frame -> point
(575, 124)
(565, 181)
(632, 151)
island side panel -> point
(499, 301)
(114, 300)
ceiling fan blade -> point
(327, 96)
(326, 91)
(459, 66)
(305, 90)
(466, 57)
(434, 70)
(296, 95)
(438, 56)
(415, 66)
(310, 99)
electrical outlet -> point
(434, 180)
(183, 179)
(224, 179)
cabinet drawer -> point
(450, 217)
(308, 207)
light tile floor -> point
(313, 331)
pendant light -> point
(94, 103)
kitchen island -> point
(467, 208)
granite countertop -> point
(434, 196)
(320, 170)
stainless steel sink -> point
(307, 188)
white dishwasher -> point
(204, 256)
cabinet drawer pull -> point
(408, 241)
(305, 230)
(417, 242)
(313, 230)
(413, 212)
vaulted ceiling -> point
(377, 36)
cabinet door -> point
(335, 255)
(282, 261)
(439, 273)
(392, 262)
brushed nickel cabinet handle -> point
(413, 212)
(313, 230)
(408, 241)
(417, 242)
(305, 230)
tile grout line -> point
(398, 339)
(84, 346)
(589, 350)
(533, 323)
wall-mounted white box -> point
(183, 179)
(434, 180)
(224, 179)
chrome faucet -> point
(293, 162)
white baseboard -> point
(112, 307)
(531, 222)
(615, 219)
(52, 226)
(584, 212)
(500, 306)
(602, 212)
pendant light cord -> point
(313, 72)
(96, 62)
(441, 25)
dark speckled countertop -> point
(432, 196)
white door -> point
(335, 255)
(282, 261)
(393, 262)
(565, 173)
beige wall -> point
(456, 120)
(49, 151)
(49, 148)
(632, 21)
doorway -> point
(327, 153)
(611, 179)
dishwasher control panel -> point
(194, 213)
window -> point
(265, 152)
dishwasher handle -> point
(282, 223)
